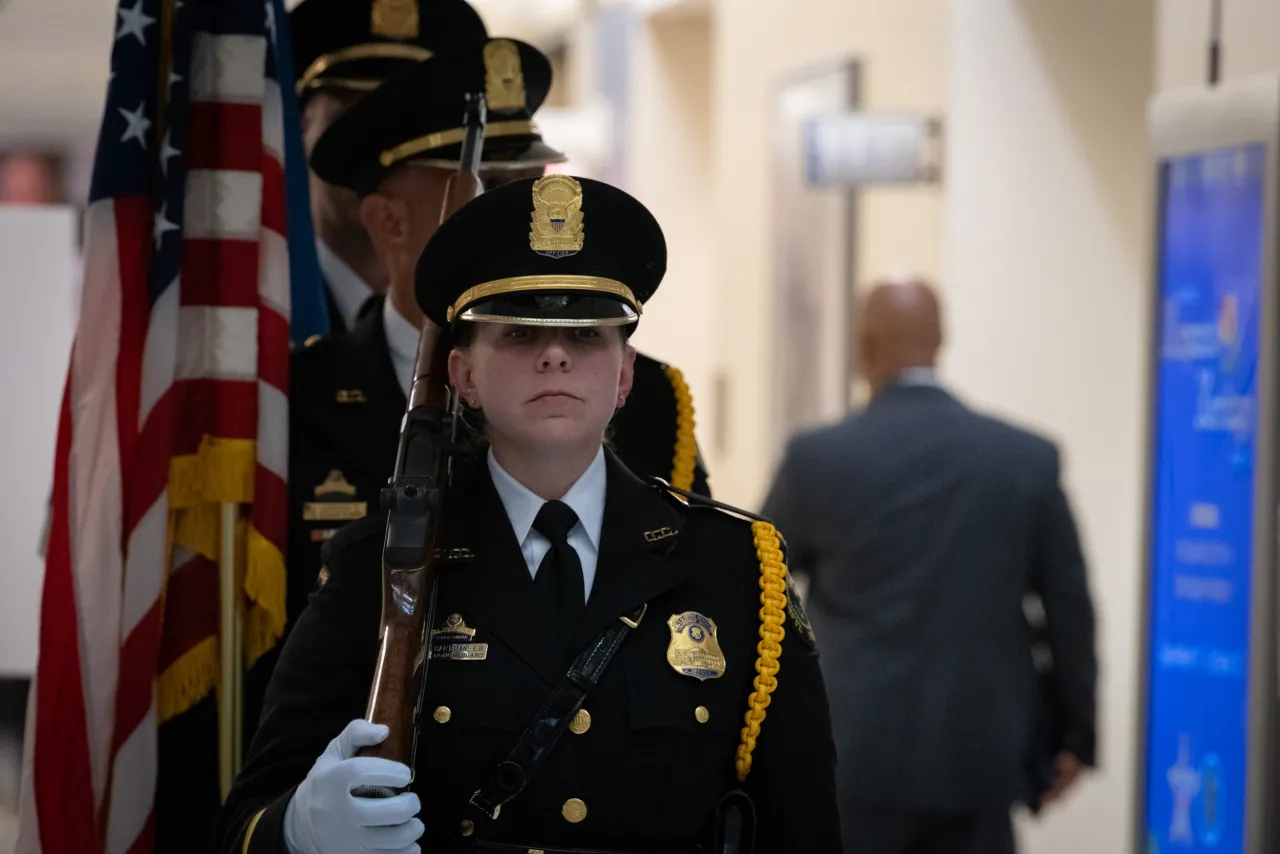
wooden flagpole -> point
(229, 693)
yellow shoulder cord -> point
(773, 599)
(248, 834)
(686, 452)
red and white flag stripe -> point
(151, 389)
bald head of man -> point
(899, 328)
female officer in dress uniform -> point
(713, 698)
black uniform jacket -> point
(659, 752)
(337, 324)
(345, 409)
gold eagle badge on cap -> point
(557, 216)
(503, 76)
(395, 19)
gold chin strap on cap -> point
(354, 53)
(558, 322)
(453, 136)
(351, 84)
(519, 284)
(773, 599)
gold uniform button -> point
(468, 827)
(442, 714)
(574, 811)
(581, 722)
(702, 714)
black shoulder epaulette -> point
(795, 608)
(314, 344)
(693, 499)
(353, 532)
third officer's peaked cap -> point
(418, 115)
(356, 44)
(555, 251)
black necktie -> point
(560, 573)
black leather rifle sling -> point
(514, 773)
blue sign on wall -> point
(1203, 524)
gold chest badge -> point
(694, 649)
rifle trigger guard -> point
(492, 816)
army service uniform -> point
(644, 768)
(345, 413)
(345, 409)
(714, 699)
(345, 403)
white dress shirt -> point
(586, 498)
(348, 289)
(402, 343)
(919, 377)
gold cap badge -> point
(396, 19)
(503, 76)
(557, 216)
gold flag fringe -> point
(221, 470)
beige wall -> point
(1039, 236)
(669, 169)
(755, 42)
(1250, 38)
(1047, 271)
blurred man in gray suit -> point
(922, 527)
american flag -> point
(175, 401)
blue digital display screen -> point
(1203, 499)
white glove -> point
(323, 817)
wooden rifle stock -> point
(414, 502)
